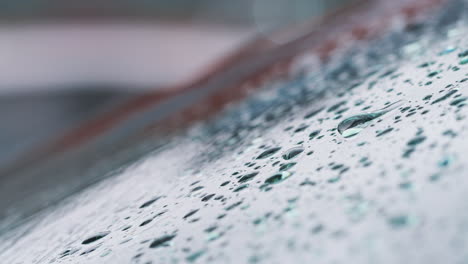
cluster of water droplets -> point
(357, 161)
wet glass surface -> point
(361, 160)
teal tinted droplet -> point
(448, 50)
(313, 113)
(458, 101)
(337, 166)
(287, 166)
(449, 133)
(351, 126)
(427, 97)
(232, 206)
(314, 134)
(301, 128)
(400, 221)
(385, 131)
(432, 74)
(248, 177)
(445, 96)
(334, 179)
(434, 177)
(161, 241)
(416, 141)
(336, 106)
(189, 214)
(95, 237)
(406, 185)
(269, 152)
(445, 162)
(426, 64)
(240, 188)
(463, 54)
(278, 177)
(351, 132)
(292, 153)
(463, 61)
(194, 256)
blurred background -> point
(64, 62)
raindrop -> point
(240, 188)
(399, 221)
(247, 177)
(269, 152)
(146, 222)
(416, 141)
(150, 202)
(314, 134)
(386, 131)
(161, 241)
(458, 101)
(95, 238)
(190, 213)
(447, 95)
(287, 166)
(194, 256)
(351, 126)
(208, 197)
(278, 177)
(292, 153)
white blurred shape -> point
(136, 56)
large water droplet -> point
(351, 126)
(267, 153)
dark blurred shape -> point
(213, 11)
(31, 120)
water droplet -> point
(400, 221)
(225, 183)
(146, 222)
(161, 241)
(416, 141)
(287, 166)
(301, 128)
(292, 153)
(232, 206)
(314, 134)
(194, 256)
(247, 177)
(385, 131)
(334, 179)
(68, 252)
(458, 101)
(336, 106)
(208, 197)
(432, 74)
(95, 238)
(351, 126)
(447, 95)
(240, 188)
(278, 177)
(197, 188)
(190, 213)
(447, 50)
(269, 152)
(463, 54)
(150, 202)
(313, 113)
